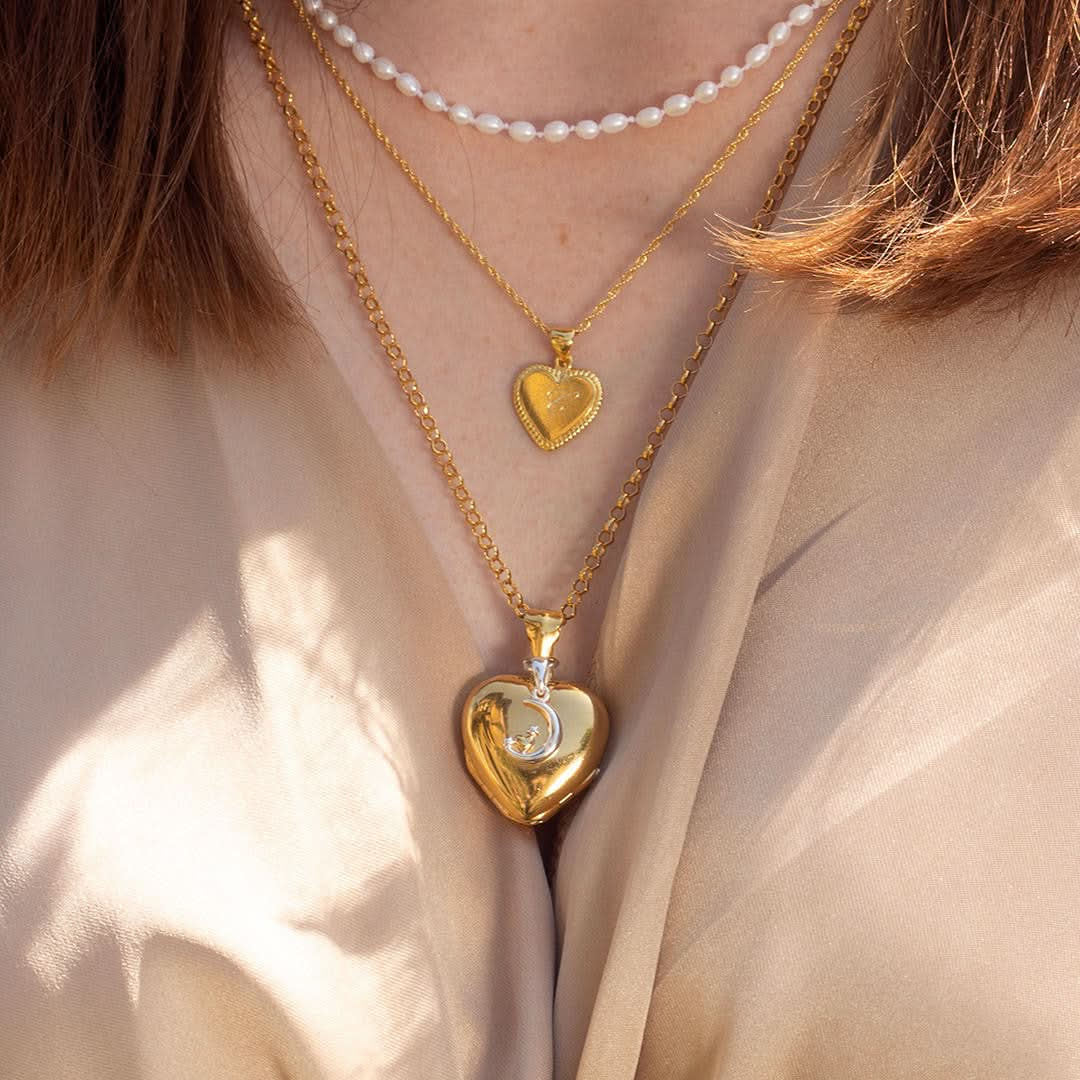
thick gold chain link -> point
(440, 450)
(666, 229)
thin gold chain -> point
(666, 229)
(440, 450)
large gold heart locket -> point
(555, 402)
(532, 744)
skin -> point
(560, 221)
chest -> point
(561, 233)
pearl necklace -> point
(556, 131)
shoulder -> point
(886, 825)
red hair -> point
(116, 192)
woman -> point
(247, 641)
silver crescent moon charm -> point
(524, 747)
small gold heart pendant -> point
(532, 744)
(556, 402)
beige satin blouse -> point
(838, 832)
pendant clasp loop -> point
(562, 341)
(543, 629)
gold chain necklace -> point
(530, 769)
(557, 401)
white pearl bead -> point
(363, 52)
(779, 33)
(384, 68)
(409, 85)
(460, 114)
(326, 18)
(650, 116)
(586, 129)
(488, 123)
(521, 131)
(613, 123)
(345, 36)
(311, 6)
(434, 101)
(758, 55)
(800, 15)
(677, 105)
(556, 131)
(705, 92)
(731, 76)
